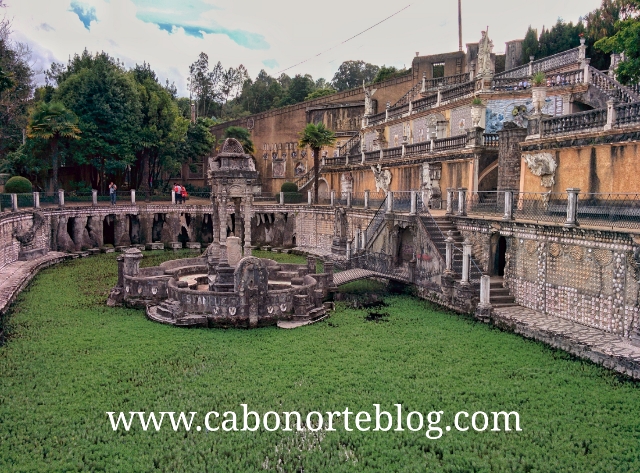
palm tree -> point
(242, 135)
(53, 121)
(315, 137)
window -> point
(438, 70)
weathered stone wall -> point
(509, 157)
(14, 225)
(585, 276)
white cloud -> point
(293, 30)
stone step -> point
(501, 299)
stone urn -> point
(476, 115)
(539, 97)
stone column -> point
(358, 239)
(364, 239)
(449, 253)
(508, 205)
(14, 202)
(61, 197)
(120, 260)
(222, 212)
(247, 224)
(281, 198)
(450, 191)
(94, 197)
(611, 114)
(485, 292)
(462, 201)
(390, 201)
(328, 269)
(510, 157)
(173, 197)
(309, 198)
(348, 249)
(132, 259)
(311, 264)
(133, 197)
(466, 262)
(572, 207)
(414, 198)
(333, 198)
(215, 227)
(349, 199)
(366, 199)
(36, 200)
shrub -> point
(18, 185)
(539, 79)
(289, 187)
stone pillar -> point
(485, 292)
(311, 264)
(333, 198)
(348, 249)
(132, 259)
(572, 207)
(120, 260)
(36, 200)
(466, 262)
(14, 202)
(173, 197)
(121, 230)
(450, 192)
(508, 205)
(366, 199)
(234, 250)
(133, 197)
(215, 226)
(449, 253)
(358, 239)
(414, 198)
(510, 157)
(390, 201)
(61, 197)
(462, 201)
(611, 114)
(328, 269)
(281, 198)
(309, 198)
(364, 239)
(94, 197)
(248, 213)
(222, 212)
(349, 199)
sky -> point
(271, 35)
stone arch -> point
(323, 187)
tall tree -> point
(242, 135)
(530, 45)
(315, 137)
(107, 102)
(53, 122)
(601, 23)
(626, 40)
(350, 74)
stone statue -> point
(340, 223)
(368, 102)
(382, 178)
(542, 165)
(484, 55)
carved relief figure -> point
(542, 165)
(368, 102)
(382, 178)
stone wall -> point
(34, 236)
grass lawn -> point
(70, 359)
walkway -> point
(607, 349)
(351, 275)
(14, 277)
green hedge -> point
(289, 187)
(18, 185)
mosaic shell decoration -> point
(232, 310)
(577, 253)
(555, 250)
(531, 246)
(603, 257)
(270, 309)
(283, 307)
(154, 290)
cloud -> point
(270, 63)
(46, 27)
(192, 16)
(85, 12)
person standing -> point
(183, 192)
(112, 192)
(177, 190)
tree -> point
(386, 73)
(603, 23)
(53, 122)
(299, 88)
(320, 93)
(242, 135)
(204, 85)
(350, 75)
(625, 40)
(530, 45)
(315, 137)
(161, 128)
(107, 102)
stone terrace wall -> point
(19, 223)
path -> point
(607, 349)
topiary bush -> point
(18, 185)
(289, 187)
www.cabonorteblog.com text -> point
(378, 420)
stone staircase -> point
(500, 296)
(438, 228)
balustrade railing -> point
(612, 87)
(350, 147)
(339, 161)
(627, 114)
(376, 222)
(425, 103)
(560, 79)
(371, 156)
(549, 63)
(376, 198)
(491, 140)
(306, 178)
(446, 81)
(444, 144)
(398, 112)
(392, 153)
(541, 206)
(582, 121)
(401, 201)
(417, 148)
(489, 203)
(614, 210)
(376, 119)
(459, 91)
